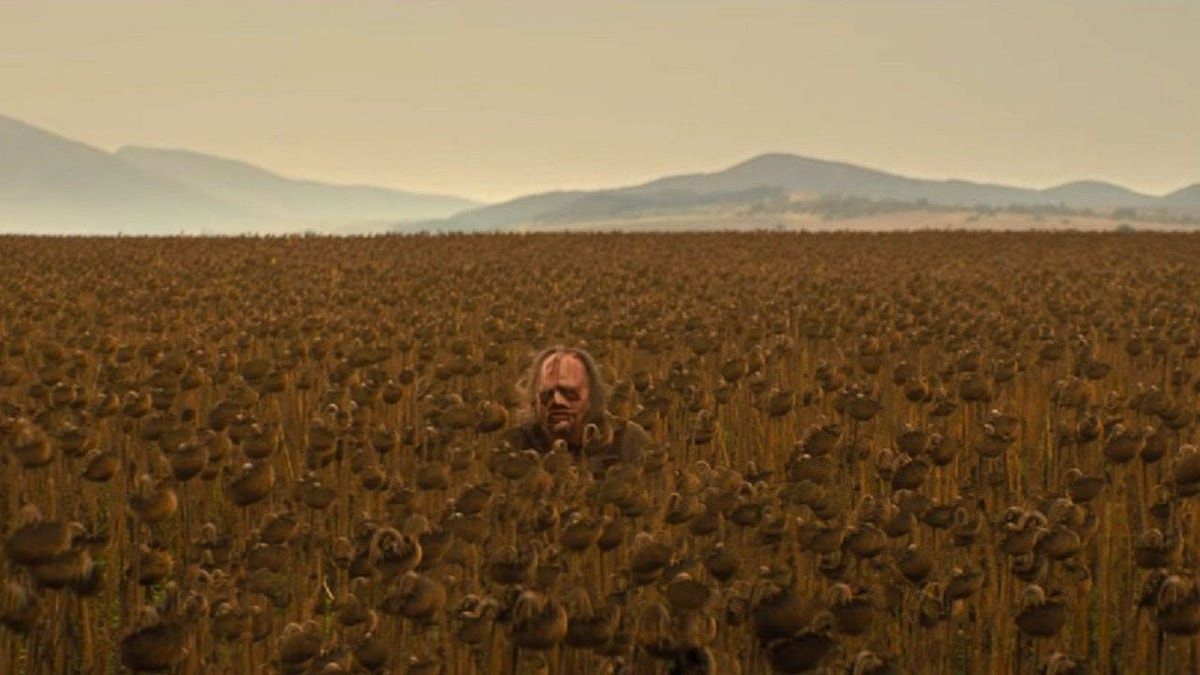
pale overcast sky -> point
(491, 99)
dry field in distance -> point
(900, 221)
(933, 452)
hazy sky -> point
(494, 98)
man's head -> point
(566, 392)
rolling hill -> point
(770, 175)
(54, 185)
(1097, 195)
(261, 191)
(51, 185)
(1186, 199)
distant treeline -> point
(837, 207)
(623, 203)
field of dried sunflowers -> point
(919, 453)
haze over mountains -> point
(50, 185)
(780, 175)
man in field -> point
(564, 397)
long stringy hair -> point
(527, 386)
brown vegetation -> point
(930, 452)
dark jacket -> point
(620, 442)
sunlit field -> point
(937, 452)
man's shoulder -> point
(626, 430)
(629, 440)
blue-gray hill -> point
(53, 185)
(768, 175)
(270, 194)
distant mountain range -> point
(50, 184)
(779, 175)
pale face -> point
(563, 397)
